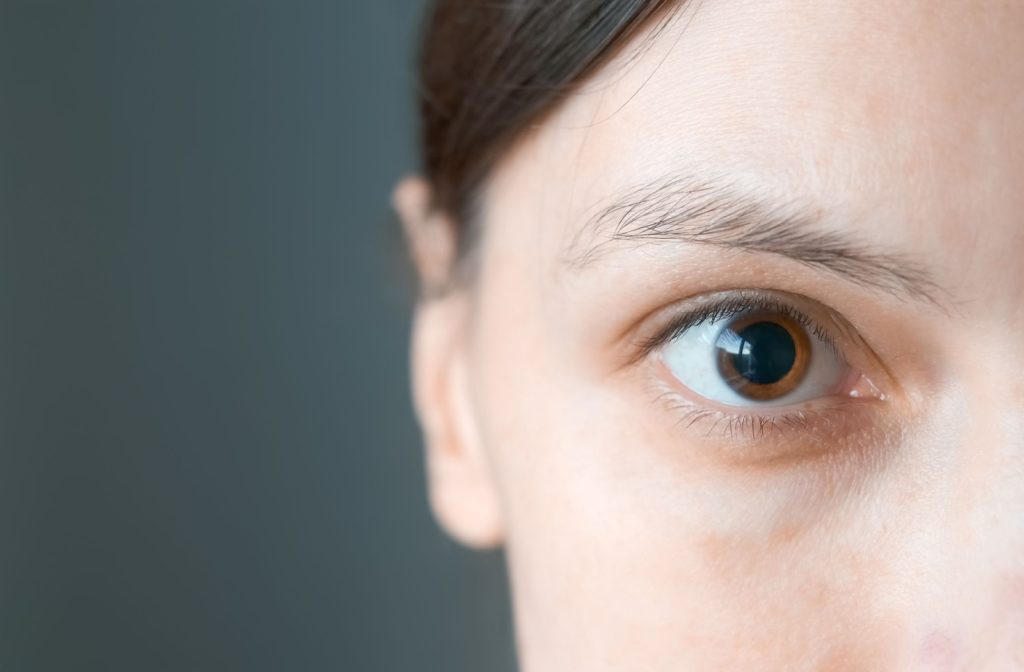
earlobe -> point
(463, 493)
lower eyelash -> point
(756, 427)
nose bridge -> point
(991, 461)
(988, 263)
(1005, 294)
(987, 506)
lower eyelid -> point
(775, 437)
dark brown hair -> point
(490, 68)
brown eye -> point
(763, 356)
(766, 353)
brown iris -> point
(763, 356)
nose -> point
(982, 627)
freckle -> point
(785, 533)
(938, 652)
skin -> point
(887, 538)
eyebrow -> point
(719, 214)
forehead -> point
(903, 119)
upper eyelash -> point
(732, 306)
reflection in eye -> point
(754, 356)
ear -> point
(463, 492)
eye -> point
(754, 357)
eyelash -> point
(733, 306)
(754, 426)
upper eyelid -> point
(736, 302)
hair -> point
(490, 68)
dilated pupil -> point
(766, 353)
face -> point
(739, 367)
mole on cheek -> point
(939, 652)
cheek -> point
(623, 549)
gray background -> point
(207, 455)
